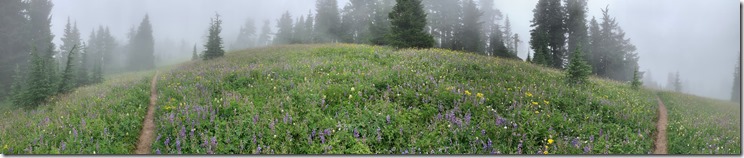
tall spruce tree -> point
(327, 21)
(39, 14)
(470, 32)
(736, 89)
(39, 86)
(576, 24)
(548, 35)
(284, 33)
(214, 41)
(380, 24)
(578, 70)
(408, 21)
(508, 36)
(444, 21)
(636, 83)
(265, 37)
(142, 48)
(70, 39)
(68, 79)
(497, 44)
(195, 56)
(83, 77)
(246, 37)
(15, 43)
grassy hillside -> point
(104, 118)
(367, 99)
(702, 126)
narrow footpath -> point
(147, 134)
(660, 144)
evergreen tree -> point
(82, 72)
(380, 24)
(327, 21)
(677, 83)
(497, 44)
(515, 40)
(444, 20)
(68, 81)
(576, 24)
(284, 34)
(15, 39)
(39, 14)
(70, 39)
(529, 59)
(636, 83)
(548, 35)
(595, 54)
(508, 37)
(195, 56)
(578, 70)
(264, 38)
(309, 32)
(736, 91)
(39, 86)
(470, 33)
(18, 89)
(246, 37)
(408, 22)
(214, 41)
(539, 43)
(298, 32)
(142, 47)
(357, 16)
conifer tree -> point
(142, 47)
(576, 24)
(677, 83)
(39, 86)
(636, 83)
(380, 23)
(83, 78)
(408, 21)
(264, 38)
(284, 33)
(578, 70)
(15, 39)
(67, 82)
(246, 37)
(327, 21)
(214, 41)
(548, 35)
(470, 33)
(195, 56)
(497, 44)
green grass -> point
(438, 101)
(103, 119)
(702, 126)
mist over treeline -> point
(128, 36)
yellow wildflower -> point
(545, 152)
(550, 141)
(528, 94)
(6, 146)
(546, 102)
(537, 112)
(534, 103)
(479, 95)
(450, 88)
(467, 92)
(352, 89)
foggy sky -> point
(699, 38)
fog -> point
(698, 38)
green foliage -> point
(636, 83)
(427, 94)
(408, 22)
(702, 126)
(284, 34)
(214, 41)
(578, 70)
(548, 35)
(67, 82)
(142, 47)
(194, 55)
(327, 22)
(497, 45)
(469, 35)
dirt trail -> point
(660, 144)
(148, 125)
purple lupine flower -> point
(356, 133)
(519, 147)
(254, 138)
(483, 132)
(322, 138)
(191, 133)
(490, 143)
(62, 146)
(439, 116)
(575, 142)
(258, 150)
(467, 118)
(214, 141)
(255, 119)
(158, 138)
(600, 132)
(591, 138)
(379, 134)
(178, 145)
(271, 125)
(286, 118)
(313, 134)
(74, 132)
(587, 149)
(499, 121)
(82, 122)
(327, 132)
(182, 133)
(388, 119)
(167, 141)
(157, 151)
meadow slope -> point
(341, 98)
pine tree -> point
(636, 83)
(529, 59)
(548, 35)
(82, 72)
(576, 24)
(595, 55)
(677, 83)
(264, 38)
(327, 21)
(578, 70)
(470, 33)
(39, 86)
(18, 89)
(444, 20)
(195, 56)
(309, 32)
(380, 24)
(510, 45)
(284, 34)
(408, 23)
(515, 40)
(15, 39)
(497, 44)
(68, 80)
(214, 43)
(298, 32)
(357, 15)
(142, 47)
(70, 39)
(736, 90)
(246, 37)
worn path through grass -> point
(148, 126)
(660, 144)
